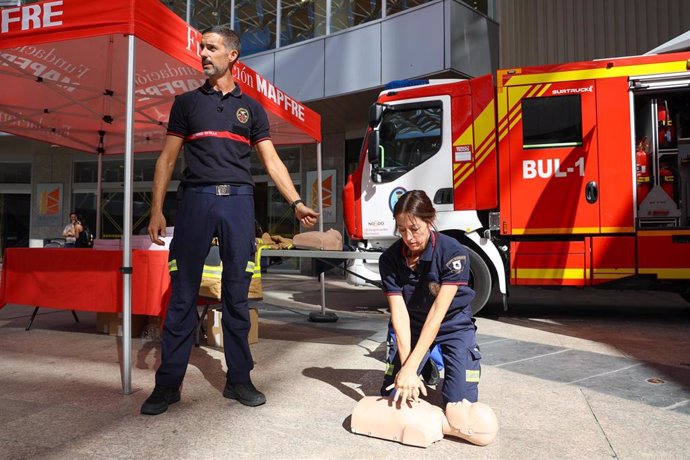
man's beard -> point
(215, 71)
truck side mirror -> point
(373, 147)
(375, 114)
(373, 154)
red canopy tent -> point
(101, 78)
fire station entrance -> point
(662, 151)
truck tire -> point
(480, 281)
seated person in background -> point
(419, 423)
(72, 230)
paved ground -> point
(570, 374)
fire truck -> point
(563, 175)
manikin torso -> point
(421, 423)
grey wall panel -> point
(412, 43)
(263, 64)
(472, 41)
(537, 32)
(300, 70)
(353, 60)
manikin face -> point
(413, 231)
(216, 59)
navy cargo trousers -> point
(204, 212)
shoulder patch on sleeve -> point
(457, 263)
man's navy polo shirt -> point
(219, 132)
(444, 261)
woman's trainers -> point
(159, 400)
(245, 393)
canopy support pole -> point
(127, 226)
(99, 192)
(322, 316)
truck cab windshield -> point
(407, 139)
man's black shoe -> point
(159, 400)
(245, 393)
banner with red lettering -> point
(63, 68)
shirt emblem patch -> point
(242, 115)
(456, 264)
(434, 288)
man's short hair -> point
(230, 37)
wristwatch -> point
(294, 204)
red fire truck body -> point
(565, 175)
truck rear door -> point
(553, 160)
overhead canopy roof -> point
(63, 72)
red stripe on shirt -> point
(219, 134)
(455, 283)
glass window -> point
(114, 170)
(350, 13)
(255, 22)
(301, 20)
(15, 173)
(409, 137)
(549, 122)
(207, 13)
(396, 6)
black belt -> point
(223, 189)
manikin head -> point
(473, 422)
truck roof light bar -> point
(404, 83)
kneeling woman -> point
(425, 277)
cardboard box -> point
(111, 324)
(214, 329)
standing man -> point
(218, 126)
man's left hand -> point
(306, 215)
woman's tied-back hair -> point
(415, 203)
(230, 37)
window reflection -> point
(350, 13)
(302, 20)
(15, 173)
(255, 22)
(86, 172)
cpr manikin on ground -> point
(419, 423)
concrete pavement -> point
(570, 374)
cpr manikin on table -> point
(419, 423)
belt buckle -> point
(223, 190)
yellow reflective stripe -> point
(212, 271)
(549, 273)
(631, 70)
(667, 273)
(250, 267)
(542, 231)
(172, 265)
(472, 375)
(389, 368)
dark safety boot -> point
(245, 393)
(159, 400)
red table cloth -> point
(84, 279)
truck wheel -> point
(480, 281)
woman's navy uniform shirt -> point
(444, 261)
(219, 132)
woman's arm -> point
(407, 382)
(401, 325)
(432, 324)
